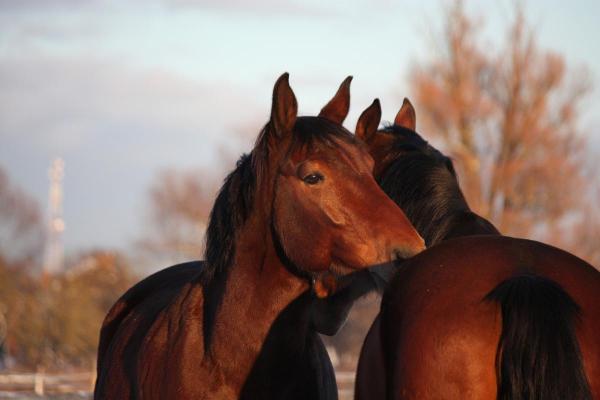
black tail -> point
(538, 354)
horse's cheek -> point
(303, 237)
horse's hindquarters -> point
(440, 336)
(439, 349)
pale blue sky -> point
(121, 89)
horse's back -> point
(466, 269)
(171, 278)
(129, 321)
(470, 267)
(440, 336)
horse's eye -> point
(313, 179)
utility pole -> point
(53, 252)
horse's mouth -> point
(400, 254)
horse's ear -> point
(337, 108)
(406, 117)
(368, 122)
(285, 107)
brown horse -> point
(293, 362)
(301, 210)
(477, 315)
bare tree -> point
(54, 321)
(508, 118)
(507, 114)
(21, 229)
(180, 203)
(450, 96)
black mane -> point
(422, 181)
(235, 203)
(409, 140)
(230, 211)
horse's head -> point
(418, 177)
(397, 142)
(329, 216)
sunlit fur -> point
(475, 316)
(195, 330)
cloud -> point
(50, 30)
(49, 98)
(27, 5)
(115, 126)
(258, 7)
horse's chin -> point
(339, 268)
(334, 278)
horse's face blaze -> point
(330, 213)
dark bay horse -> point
(301, 211)
(478, 315)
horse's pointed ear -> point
(285, 107)
(368, 122)
(337, 108)
(406, 117)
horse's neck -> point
(258, 288)
(452, 219)
(467, 223)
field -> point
(74, 386)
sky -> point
(123, 89)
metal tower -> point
(54, 254)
